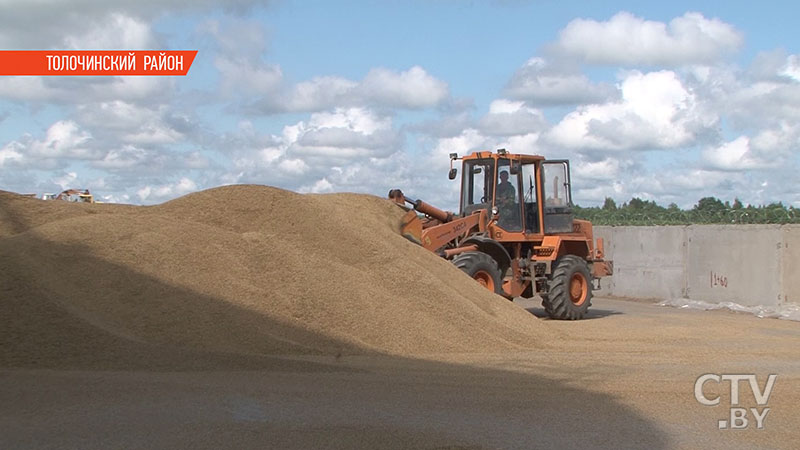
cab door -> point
(557, 196)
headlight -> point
(494, 211)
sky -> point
(666, 101)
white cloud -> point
(320, 186)
(130, 123)
(126, 157)
(468, 141)
(507, 118)
(792, 68)
(161, 192)
(243, 69)
(63, 139)
(606, 169)
(67, 180)
(249, 77)
(240, 61)
(539, 83)
(43, 24)
(11, 153)
(733, 155)
(656, 111)
(115, 32)
(343, 134)
(630, 40)
(410, 89)
(311, 149)
(767, 149)
(80, 90)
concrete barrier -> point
(729, 263)
(744, 264)
(650, 264)
(790, 264)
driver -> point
(506, 194)
(506, 200)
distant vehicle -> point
(75, 195)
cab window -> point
(477, 185)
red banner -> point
(96, 62)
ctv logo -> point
(738, 419)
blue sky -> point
(669, 101)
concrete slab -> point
(648, 261)
(734, 263)
(790, 264)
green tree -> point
(709, 204)
(609, 204)
(637, 203)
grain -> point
(247, 271)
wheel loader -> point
(515, 233)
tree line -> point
(708, 210)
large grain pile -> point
(228, 273)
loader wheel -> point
(482, 268)
(570, 291)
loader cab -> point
(546, 183)
(527, 192)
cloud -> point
(115, 31)
(119, 121)
(11, 154)
(607, 169)
(45, 24)
(126, 157)
(241, 46)
(540, 84)
(344, 134)
(761, 103)
(629, 40)
(767, 149)
(380, 88)
(792, 68)
(411, 89)
(161, 192)
(80, 90)
(656, 112)
(508, 118)
(63, 139)
(241, 49)
(311, 149)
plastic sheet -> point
(787, 311)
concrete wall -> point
(649, 263)
(790, 264)
(744, 264)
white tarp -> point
(787, 311)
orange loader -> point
(515, 232)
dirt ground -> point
(622, 379)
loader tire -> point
(569, 293)
(482, 268)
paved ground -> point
(622, 379)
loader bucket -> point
(411, 227)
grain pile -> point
(232, 272)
